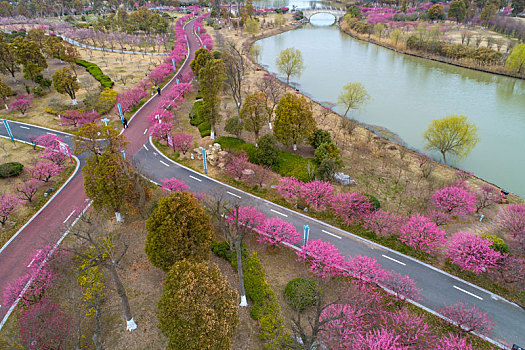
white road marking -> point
(155, 153)
(23, 127)
(278, 212)
(394, 260)
(50, 133)
(166, 164)
(194, 178)
(146, 147)
(145, 131)
(331, 234)
(233, 194)
(467, 292)
(69, 216)
(31, 263)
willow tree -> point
(453, 135)
(290, 63)
(353, 96)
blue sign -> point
(306, 233)
(174, 66)
(204, 45)
(204, 160)
(8, 128)
(185, 36)
(123, 154)
(120, 111)
(177, 80)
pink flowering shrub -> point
(8, 204)
(160, 73)
(453, 342)
(324, 258)
(274, 231)
(402, 286)
(468, 318)
(27, 189)
(365, 269)
(172, 184)
(351, 208)
(21, 104)
(235, 165)
(455, 200)
(182, 142)
(130, 98)
(43, 171)
(245, 218)
(289, 188)
(472, 253)
(161, 131)
(383, 223)
(422, 234)
(511, 220)
(412, 329)
(317, 194)
(344, 322)
(160, 115)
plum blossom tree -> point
(173, 184)
(486, 197)
(402, 286)
(422, 234)
(351, 207)
(235, 165)
(8, 204)
(289, 188)
(274, 231)
(383, 223)
(511, 270)
(468, 318)
(365, 269)
(453, 342)
(182, 142)
(71, 117)
(342, 325)
(161, 131)
(45, 325)
(381, 338)
(160, 73)
(324, 258)
(21, 104)
(130, 98)
(27, 189)
(413, 330)
(455, 200)
(511, 220)
(472, 253)
(160, 115)
(43, 171)
(317, 194)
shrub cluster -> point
(301, 293)
(10, 169)
(96, 72)
(197, 119)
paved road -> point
(49, 225)
(437, 287)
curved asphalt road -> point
(438, 288)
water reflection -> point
(322, 19)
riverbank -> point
(499, 70)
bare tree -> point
(105, 248)
(273, 89)
(235, 65)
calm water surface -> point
(408, 92)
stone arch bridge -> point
(337, 13)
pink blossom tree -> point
(8, 204)
(247, 218)
(160, 73)
(274, 231)
(43, 171)
(88, 117)
(48, 141)
(486, 197)
(161, 131)
(365, 269)
(259, 176)
(289, 188)
(511, 220)
(412, 329)
(343, 323)
(172, 184)
(71, 117)
(27, 189)
(160, 115)
(455, 200)
(472, 253)
(351, 207)
(54, 155)
(324, 258)
(383, 223)
(130, 98)
(43, 324)
(453, 342)
(402, 286)
(439, 217)
(468, 318)
(20, 104)
(381, 338)
(317, 194)
(235, 165)
(511, 270)
(182, 142)
(422, 234)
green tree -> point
(65, 82)
(488, 13)
(396, 35)
(211, 78)
(327, 150)
(178, 229)
(457, 10)
(8, 61)
(198, 308)
(516, 61)
(294, 121)
(268, 151)
(88, 137)
(290, 63)
(251, 26)
(453, 135)
(353, 96)
(436, 12)
(279, 20)
(254, 113)
(517, 7)
(53, 47)
(379, 28)
(106, 181)
(320, 136)
(29, 56)
(202, 56)
(6, 9)
(5, 92)
(255, 51)
(233, 126)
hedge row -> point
(96, 72)
(197, 119)
(265, 308)
(289, 164)
(10, 169)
